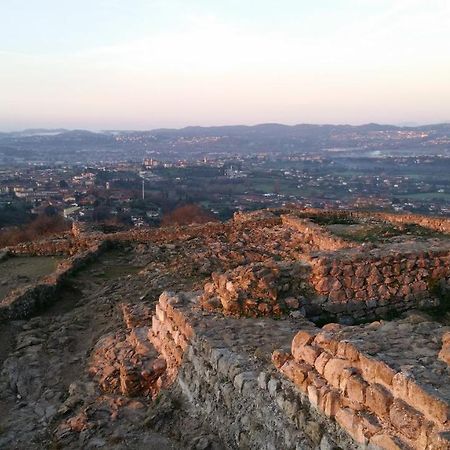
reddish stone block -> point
(330, 402)
(432, 407)
(279, 357)
(301, 339)
(297, 373)
(370, 423)
(333, 370)
(406, 419)
(321, 361)
(326, 341)
(349, 420)
(375, 371)
(378, 400)
(356, 389)
(313, 395)
(347, 350)
(337, 295)
(315, 379)
(383, 292)
(386, 441)
(310, 353)
(160, 314)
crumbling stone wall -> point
(317, 238)
(213, 364)
(26, 301)
(372, 283)
(64, 244)
(369, 393)
(441, 224)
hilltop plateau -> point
(278, 329)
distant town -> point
(134, 179)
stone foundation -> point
(315, 236)
(25, 302)
(372, 283)
(223, 366)
(359, 376)
(343, 387)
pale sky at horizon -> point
(136, 64)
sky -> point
(143, 64)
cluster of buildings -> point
(137, 194)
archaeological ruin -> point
(279, 329)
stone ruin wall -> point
(374, 403)
(440, 224)
(248, 406)
(369, 284)
(315, 236)
(358, 282)
(57, 245)
(24, 302)
(324, 392)
(350, 284)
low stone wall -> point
(170, 333)
(262, 215)
(315, 236)
(369, 283)
(377, 403)
(23, 303)
(441, 224)
(222, 366)
(57, 245)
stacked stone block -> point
(372, 283)
(170, 333)
(376, 404)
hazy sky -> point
(148, 63)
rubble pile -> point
(257, 289)
(125, 361)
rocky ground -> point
(82, 373)
(48, 395)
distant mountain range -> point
(236, 130)
(190, 142)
